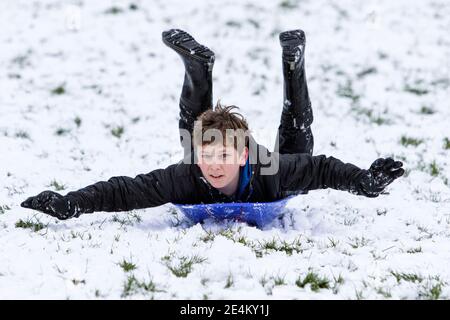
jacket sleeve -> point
(125, 193)
(305, 172)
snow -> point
(372, 67)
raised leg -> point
(294, 132)
(196, 94)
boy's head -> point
(221, 146)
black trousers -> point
(294, 132)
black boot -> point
(198, 61)
(295, 134)
(196, 95)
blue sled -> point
(253, 213)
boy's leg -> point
(196, 94)
(294, 132)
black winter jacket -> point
(184, 183)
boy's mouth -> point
(216, 176)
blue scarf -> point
(244, 178)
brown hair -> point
(232, 125)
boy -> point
(230, 167)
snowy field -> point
(88, 91)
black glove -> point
(53, 204)
(381, 173)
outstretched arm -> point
(117, 194)
(305, 172)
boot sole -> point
(292, 41)
(183, 43)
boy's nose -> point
(216, 166)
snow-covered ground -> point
(88, 91)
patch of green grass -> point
(134, 216)
(132, 286)
(81, 235)
(359, 294)
(431, 168)
(333, 242)
(28, 224)
(343, 14)
(118, 131)
(254, 23)
(114, 10)
(62, 132)
(441, 82)
(386, 293)
(415, 90)
(233, 23)
(339, 279)
(227, 233)
(127, 266)
(358, 242)
(279, 281)
(366, 72)
(59, 90)
(133, 7)
(434, 169)
(432, 290)
(204, 281)
(209, 236)
(243, 240)
(370, 115)
(287, 247)
(409, 277)
(230, 235)
(22, 134)
(434, 196)
(346, 91)
(263, 280)
(22, 60)
(435, 291)
(4, 208)
(337, 282)
(290, 247)
(184, 266)
(408, 141)
(129, 220)
(426, 110)
(382, 55)
(77, 282)
(446, 143)
(77, 121)
(414, 250)
(177, 219)
(288, 4)
(314, 280)
(350, 221)
(269, 245)
(135, 119)
(262, 247)
(230, 281)
(56, 185)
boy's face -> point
(220, 165)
